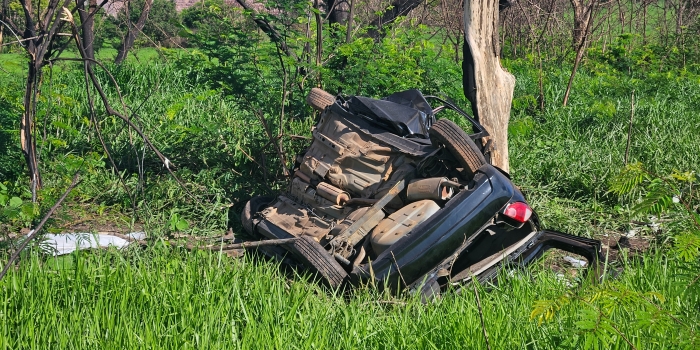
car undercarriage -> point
(388, 193)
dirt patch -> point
(93, 218)
(565, 264)
(634, 246)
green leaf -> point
(658, 199)
(182, 224)
(628, 179)
(177, 223)
(589, 320)
(15, 202)
(28, 210)
(687, 246)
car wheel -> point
(253, 206)
(446, 133)
(319, 99)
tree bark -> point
(26, 135)
(47, 22)
(134, 29)
(2, 32)
(87, 24)
(40, 28)
(339, 11)
(488, 86)
(27, 139)
(582, 15)
(348, 33)
(580, 50)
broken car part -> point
(387, 193)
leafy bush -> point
(11, 160)
(14, 210)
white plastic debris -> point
(575, 262)
(66, 243)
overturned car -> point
(389, 194)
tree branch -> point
(268, 28)
(396, 9)
(110, 111)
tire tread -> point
(449, 134)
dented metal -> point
(379, 196)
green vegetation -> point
(204, 108)
(565, 159)
(167, 298)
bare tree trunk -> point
(582, 15)
(665, 26)
(2, 32)
(339, 11)
(644, 24)
(680, 8)
(87, 24)
(631, 17)
(579, 52)
(27, 139)
(319, 41)
(134, 29)
(40, 28)
(348, 34)
(30, 96)
(488, 86)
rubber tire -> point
(320, 261)
(253, 206)
(446, 133)
(319, 99)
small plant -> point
(177, 223)
(15, 210)
(602, 308)
(674, 195)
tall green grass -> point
(565, 157)
(211, 138)
(170, 299)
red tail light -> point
(518, 211)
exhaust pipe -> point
(435, 188)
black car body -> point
(388, 194)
